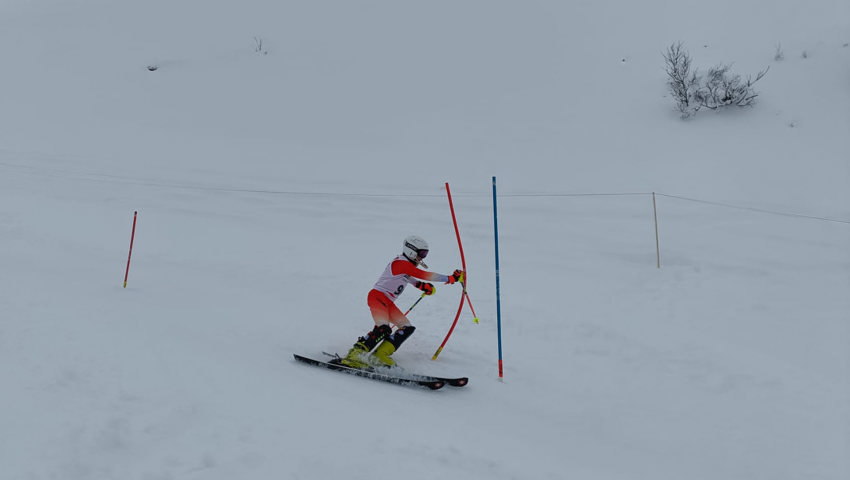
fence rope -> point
(87, 176)
(756, 210)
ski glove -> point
(426, 288)
(457, 276)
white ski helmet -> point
(415, 248)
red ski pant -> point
(384, 311)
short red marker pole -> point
(132, 236)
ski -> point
(401, 372)
(428, 382)
(454, 382)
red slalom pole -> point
(132, 236)
(463, 263)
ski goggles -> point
(422, 253)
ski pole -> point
(469, 302)
(414, 304)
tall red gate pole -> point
(463, 263)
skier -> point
(402, 270)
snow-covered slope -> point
(273, 186)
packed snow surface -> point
(277, 153)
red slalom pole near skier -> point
(463, 296)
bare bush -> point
(682, 81)
(779, 55)
(721, 88)
(717, 89)
(259, 47)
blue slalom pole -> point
(498, 301)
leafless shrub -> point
(717, 89)
(779, 55)
(681, 80)
(721, 88)
(258, 46)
